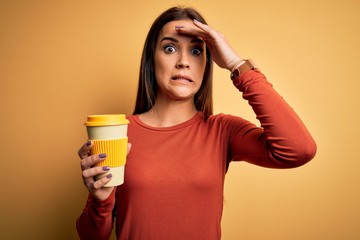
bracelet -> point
(238, 64)
(242, 67)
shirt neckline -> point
(197, 117)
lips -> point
(180, 77)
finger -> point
(190, 30)
(128, 148)
(92, 172)
(102, 181)
(91, 160)
(208, 37)
(206, 29)
(84, 151)
(201, 25)
(89, 183)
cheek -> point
(200, 66)
(160, 71)
(162, 63)
(158, 68)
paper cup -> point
(108, 133)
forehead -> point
(169, 28)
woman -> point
(180, 152)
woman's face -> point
(179, 62)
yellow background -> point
(63, 60)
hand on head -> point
(221, 51)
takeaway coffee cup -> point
(108, 133)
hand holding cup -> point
(89, 172)
(104, 155)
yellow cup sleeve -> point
(115, 151)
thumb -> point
(128, 148)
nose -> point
(183, 61)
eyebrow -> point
(193, 40)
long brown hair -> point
(147, 88)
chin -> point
(184, 96)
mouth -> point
(182, 78)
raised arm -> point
(282, 141)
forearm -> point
(287, 141)
(96, 220)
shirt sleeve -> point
(282, 141)
(96, 221)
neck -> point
(169, 113)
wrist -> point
(104, 200)
(242, 67)
(236, 63)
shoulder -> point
(134, 119)
(227, 120)
(222, 117)
(131, 118)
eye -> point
(169, 49)
(197, 51)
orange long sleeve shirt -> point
(174, 176)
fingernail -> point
(102, 155)
(106, 168)
(195, 20)
(88, 143)
(109, 175)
